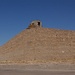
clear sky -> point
(16, 15)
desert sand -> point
(41, 69)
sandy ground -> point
(44, 67)
(16, 72)
(37, 69)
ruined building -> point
(35, 24)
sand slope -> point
(40, 45)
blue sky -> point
(16, 15)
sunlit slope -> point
(40, 45)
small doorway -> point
(39, 23)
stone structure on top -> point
(35, 24)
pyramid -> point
(40, 45)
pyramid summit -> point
(40, 45)
(35, 24)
